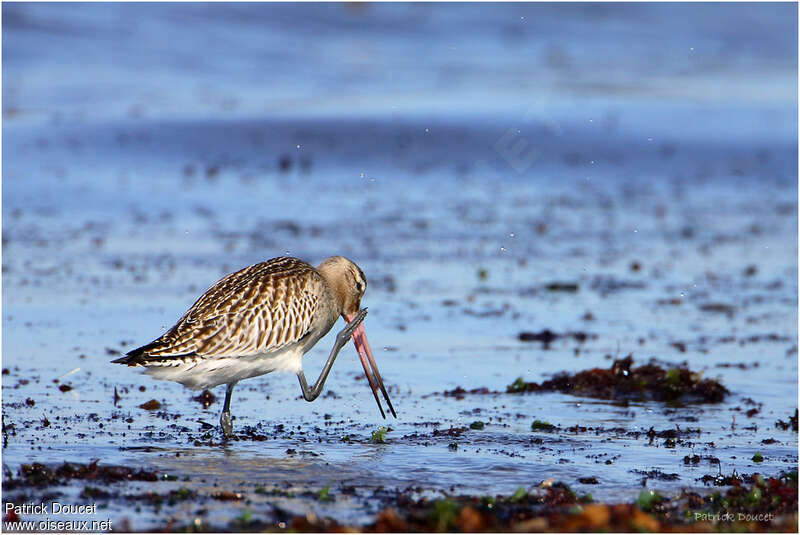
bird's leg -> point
(225, 417)
(312, 393)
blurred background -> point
(471, 158)
(86, 62)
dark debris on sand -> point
(460, 393)
(40, 475)
(765, 505)
(625, 383)
(780, 424)
(547, 337)
(205, 398)
(753, 503)
(762, 505)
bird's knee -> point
(341, 339)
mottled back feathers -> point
(257, 310)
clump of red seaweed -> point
(623, 382)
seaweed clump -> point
(623, 382)
(479, 513)
(40, 475)
(765, 504)
(756, 506)
(780, 424)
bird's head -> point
(348, 283)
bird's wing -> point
(253, 311)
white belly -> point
(214, 371)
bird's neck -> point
(335, 282)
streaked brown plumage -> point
(260, 319)
(255, 310)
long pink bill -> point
(371, 368)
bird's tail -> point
(136, 357)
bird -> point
(261, 319)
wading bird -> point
(261, 319)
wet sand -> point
(480, 289)
(631, 234)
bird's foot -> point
(345, 334)
(227, 425)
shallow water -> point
(123, 202)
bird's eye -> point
(359, 287)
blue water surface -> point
(467, 157)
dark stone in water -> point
(206, 397)
(570, 287)
(285, 163)
(152, 405)
(459, 392)
(546, 337)
(657, 474)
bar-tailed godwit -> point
(261, 319)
